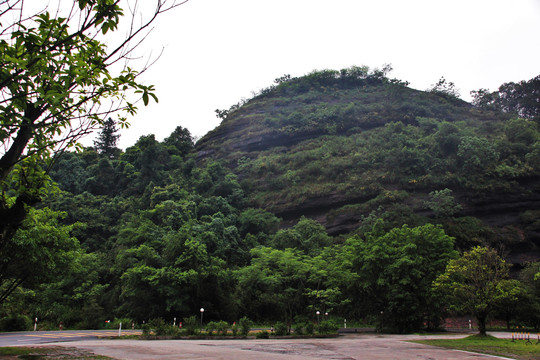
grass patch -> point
(489, 345)
(47, 353)
(16, 351)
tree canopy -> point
(395, 271)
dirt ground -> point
(349, 347)
(54, 352)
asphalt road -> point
(41, 337)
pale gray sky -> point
(219, 51)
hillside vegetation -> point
(347, 146)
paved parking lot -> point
(343, 348)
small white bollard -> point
(35, 325)
(120, 330)
(345, 320)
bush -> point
(245, 326)
(15, 323)
(146, 329)
(299, 329)
(159, 328)
(191, 325)
(263, 335)
(328, 327)
(281, 329)
(304, 328)
(210, 328)
(90, 316)
(234, 329)
(126, 323)
(222, 327)
(310, 328)
(45, 325)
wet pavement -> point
(347, 347)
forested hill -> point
(296, 203)
(346, 147)
(343, 193)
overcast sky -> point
(219, 51)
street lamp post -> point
(318, 313)
(202, 311)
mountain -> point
(166, 227)
(347, 147)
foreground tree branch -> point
(59, 80)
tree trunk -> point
(481, 324)
(12, 217)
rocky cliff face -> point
(343, 154)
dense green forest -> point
(343, 192)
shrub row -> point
(158, 327)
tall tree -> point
(107, 139)
(472, 283)
(395, 271)
(180, 142)
(520, 98)
(275, 284)
(58, 82)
